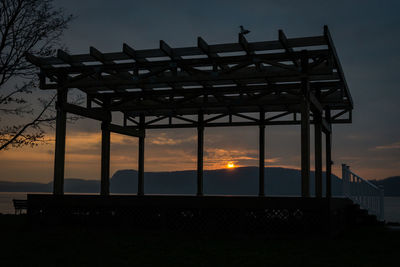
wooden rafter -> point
(169, 81)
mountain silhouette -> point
(237, 181)
(391, 185)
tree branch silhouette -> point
(33, 26)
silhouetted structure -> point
(290, 81)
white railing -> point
(363, 192)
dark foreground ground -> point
(22, 245)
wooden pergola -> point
(289, 81)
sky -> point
(366, 35)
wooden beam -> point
(207, 91)
(142, 63)
(326, 126)
(222, 124)
(64, 56)
(328, 157)
(99, 56)
(274, 74)
(261, 155)
(175, 59)
(318, 154)
(93, 113)
(318, 108)
(59, 155)
(214, 92)
(283, 88)
(246, 47)
(122, 74)
(331, 46)
(125, 130)
(105, 159)
(205, 48)
(305, 149)
(213, 105)
(287, 47)
(341, 113)
(247, 117)
(131, 53)
(184, 119)
(105, 151)
(157, 71)
(283, 114)
(142, 124)
(216, 106)
(168, 50)
(305, 129)
(200, 151)
(38, 61)
(316, 104)
(194, 51)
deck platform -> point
(239, 214)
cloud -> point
(272, 160)
(163, 139)
(218, 154)
(395, 145)
(216, 158)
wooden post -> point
(318, 154)
(141, 156)
(105, 159)
(328, 157)
(59, 155)
(261, 155)
(105, 152)
(305, 129)
(305, 149)
(200, 151)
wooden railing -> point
(363, 192)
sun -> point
(230, 165)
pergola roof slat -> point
(213, 76)
(194, 62)
(248, 74)
(192, 51)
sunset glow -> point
(230, 165)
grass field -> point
(22, 245)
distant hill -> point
(391, 186)
(71, 185)
(238, 181)
(24, 187)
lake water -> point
(392, 205)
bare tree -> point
(33, 26)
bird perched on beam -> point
(243, 30)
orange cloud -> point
(162, 139)
(390, 146)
